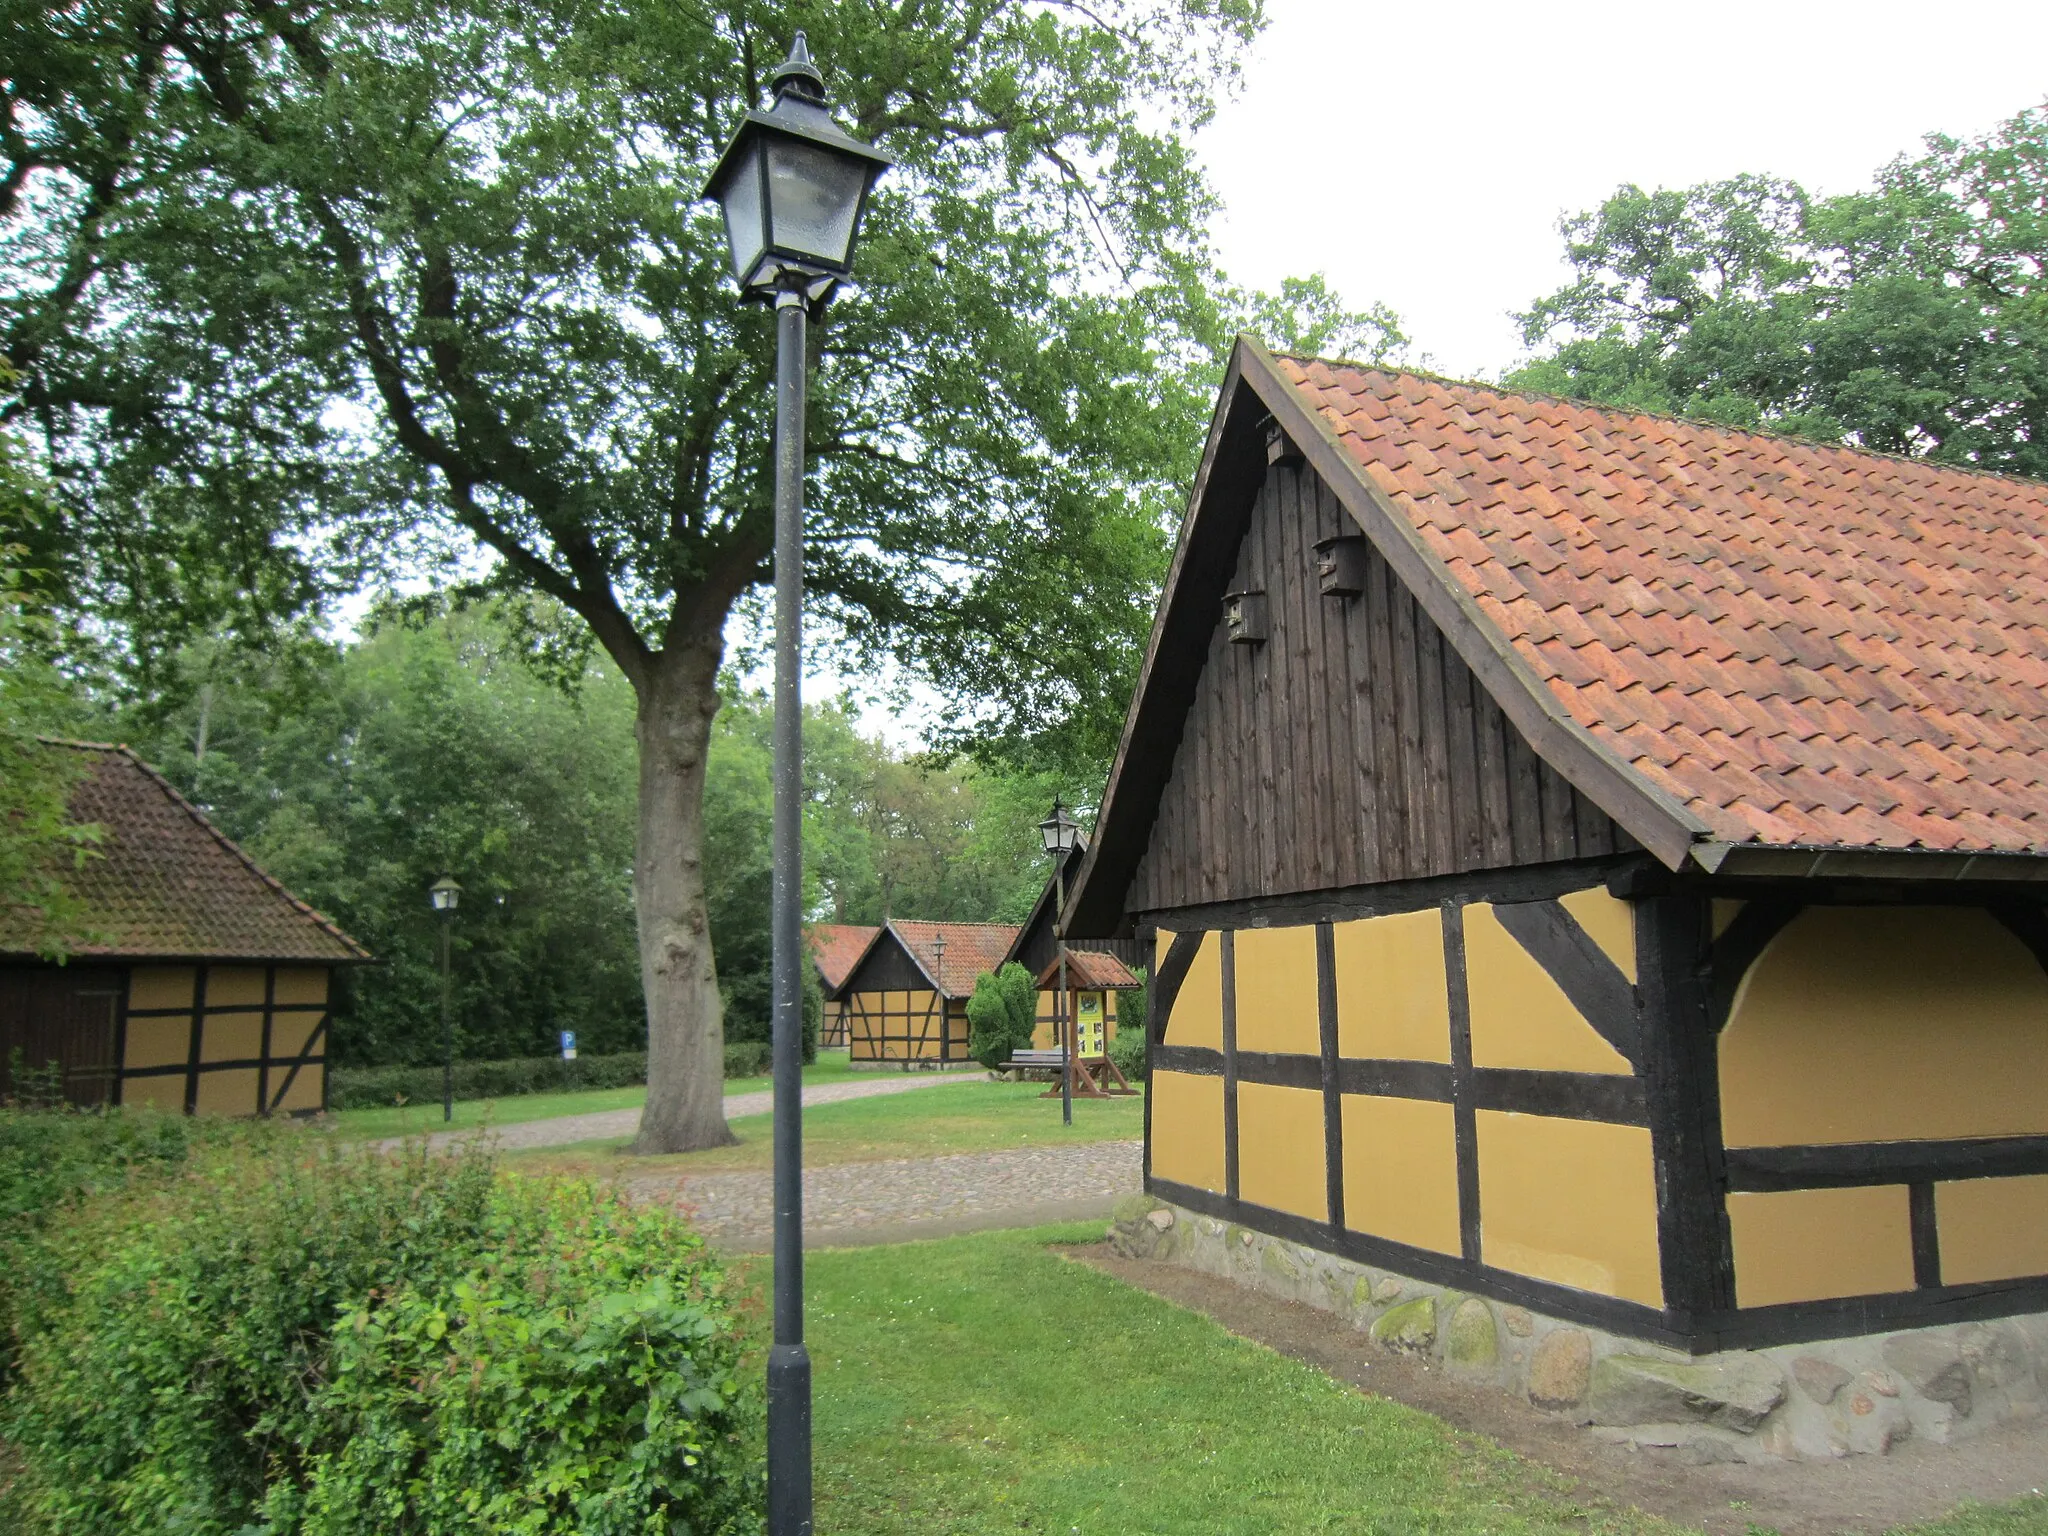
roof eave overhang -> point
(1755, 861)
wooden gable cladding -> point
(1353, 747)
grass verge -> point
(518, 1109)
(983, 1384)
(974, 1115)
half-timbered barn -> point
(907, 994)
(199, 983)
(835, 947)
(1093, 984)
(1595, 861)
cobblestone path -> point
(900, 1199)
(564, 1130)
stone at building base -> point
(1813, 1401)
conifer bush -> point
(281, 1340)
(1002, 1014)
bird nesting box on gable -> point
(1244, 617)
(1340, 565)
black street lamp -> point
(1062, 835)
(792, 186)
(446, 896)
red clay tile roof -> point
(1799, 644)
(167, 884)
(971, 948)
(1090, 969)
(835, 947)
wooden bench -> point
(1090, 1072)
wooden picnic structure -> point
(197, 983)
(1595, 860)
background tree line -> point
(360, 772)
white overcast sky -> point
(1419, 156)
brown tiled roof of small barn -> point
(1799, 643)
(971, 948)
(166, 883)
(836, 947)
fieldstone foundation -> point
(1830, 1398)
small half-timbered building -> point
(1093, 984)
(199, 983)
(1596, 861)
(907, 995)
(835, 947)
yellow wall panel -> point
(1609, 922)
(1887, 1024)
(1197, 1017)
(1401, 1171)
(291, 1033)
(1520, 1017)
(164, 1092)
(229, 986)
(1391, 999)
(1992, 1229)
(231, 1037)
(305, 1090)
(1276, 990)
(230, 1091)
(160, 986)
(1811, 1244)
(159, 1043)
(301, 984)
(1570, 1201)
(1187, 1128)
(1280, 1162)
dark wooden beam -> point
(1333, 1091)
(1581, 969)
(1738, 947)
(1856, 1164)
(1464, 1110)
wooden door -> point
(65, 1015)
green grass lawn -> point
(983, 1384)
(412, 1119)
(974, 1115)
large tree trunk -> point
(685, 1025)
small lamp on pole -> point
(446, 896)
(1062, 836)
(792, 186)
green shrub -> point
(381, 1087)
(295, 1342)
(1001, 1015)
(1127, 1047)
(747, 1058)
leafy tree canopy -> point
(1911, 318)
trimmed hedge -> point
(381, 1087)
(288, 1340)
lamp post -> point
(446, 896)
(792, 186)
(1062, 834)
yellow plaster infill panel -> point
(1280, 1161)
(1187, 1129)
(1391, 998)
(228, 1091)
(1276, 991)
(1197, 1017)
(1570, 1201)
(305, 1089)
(1812, 1244)
(232, 1037)
(301, 984)
(1401, 1171)
(291, 1033)
(162, 1092)
(159, 1043)
(1992, 1229)
(1725, 912)
(1520, 1017)
(1887, 1024)
(234, 986)
(1609, 922)
(160, 986)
